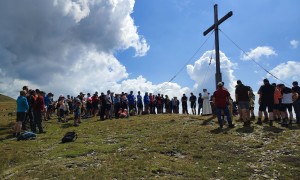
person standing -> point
(38, 109)
(296, 103)
(192, 100)
(200, 103)
(184, 104)
(146, 102)
(242, 99)
(139, 103)
(131, 100)
(286, 105)
(206, 104)
(251, 104)
(22, 108)
(266, 100)
(220, 98)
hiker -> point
(123, 114)
(22, 108)
(117, 105)
(296, 103)
(38, 109)
(139, 103)
(277, 102)
(184, 104)
(266, 100)
(221, 98)
(146, 102)
(192, 100)
(242, 99)
(251, 104)
(286, 104)
(200, 103)
(159, 103)
(131, 100)
(77, 113)
(30, 96)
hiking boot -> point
(259, 122)
(252, 117)
(231, 126)
(284, 123)
(271, 123)
(266, 120)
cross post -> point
(215, 27)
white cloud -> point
(294, 44)
(204, 74)
(258, 52)
(65, 46)
(287, 72)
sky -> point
(71, 46)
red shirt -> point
(39, 103)
(221, 96)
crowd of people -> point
(35, 106)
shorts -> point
(263, 107)
(193, 105)
(21, 116)
(244, 105)
(285, 107)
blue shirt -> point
(146, 99)
(22, 104)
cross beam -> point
(215, 27)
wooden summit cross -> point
(215, 26)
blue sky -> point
(174, 30)
(66, 46)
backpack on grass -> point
(69, 137)
(27, 136)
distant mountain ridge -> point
(4, 98)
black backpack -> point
(69, 137)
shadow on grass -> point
(294, 127)
(7, 137)
(272, 129)
(208, 121)
(245, 129)
(219, 130)
(66, 125)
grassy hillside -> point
(4, 98)
(150, 147)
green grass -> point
(4, 98)
(150, 147)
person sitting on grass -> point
(123, 114)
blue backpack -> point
(27, 136)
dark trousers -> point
(226, 113)
(117, 108)
(37, 115)
(102, 112)
(28, 119)
(296, 106)
(184, 108)
(199, 108)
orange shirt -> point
(277, 95)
